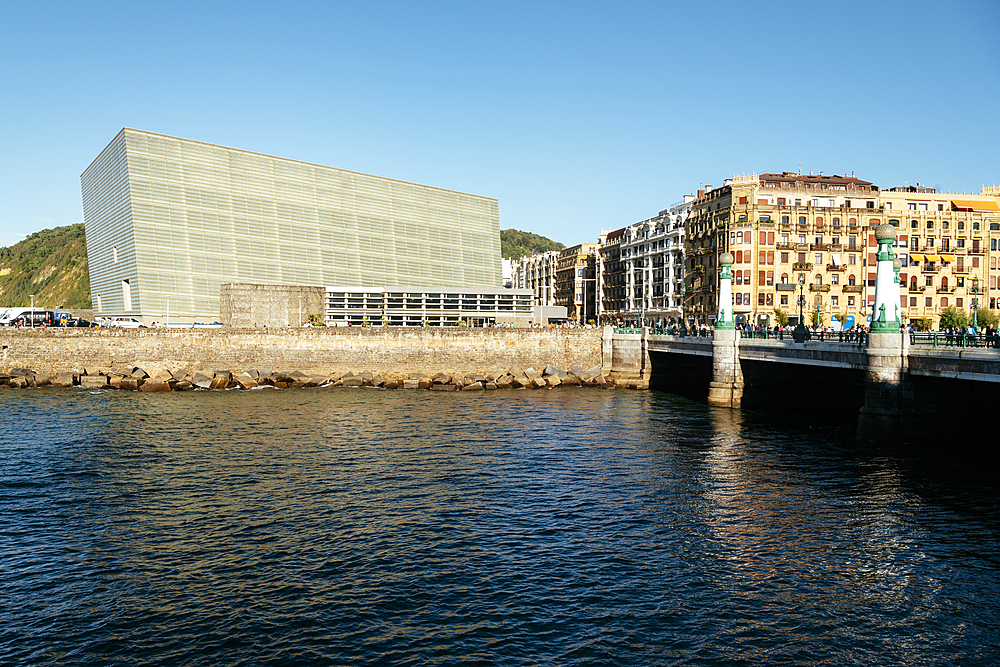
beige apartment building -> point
(576, 282)
(948, 244)
(813, 234)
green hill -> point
(515, 244)
(52, 265)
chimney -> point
(701, 193)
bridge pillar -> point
(726, 388)
(888, 410)
(887, 413)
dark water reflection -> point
(555, 527)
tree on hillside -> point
(515, 244)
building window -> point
(852, 259)
(929, 302)
(784, 219)
(835, 301)
(960, 302)
(743, 200)
(114, 252)
(784, 299)
(850, 301)
(784, 258)
(913, 302)
(802, 219)
(127, 294)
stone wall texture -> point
(247, 305)
(319, 350)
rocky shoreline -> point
(136, 379)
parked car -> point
(125, 323)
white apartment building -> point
(538, 273)
(641, 268)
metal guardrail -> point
(859, 338)
(682, 332)
(942, 339)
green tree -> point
(952, 317)
(923, 323)
(988, 317)
(781, 317)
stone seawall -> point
(315, 351)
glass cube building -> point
(169, 220)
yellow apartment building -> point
(814, 234)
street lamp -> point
(975, 305)
(32, 315)
(799, 335)
(168, 312)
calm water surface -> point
(562, 527)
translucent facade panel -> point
(187, 216)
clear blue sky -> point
(577, 116)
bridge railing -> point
(943, 339)
(681, 332)
(859, 338)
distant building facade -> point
(576, 282)
(169, 220)
(538, 273)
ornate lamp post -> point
(800, 333)
(975, 304)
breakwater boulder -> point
(133, 378)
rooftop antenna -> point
(800, 166)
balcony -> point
(854, 288)
(802, 266)
(945, 289)
(814, 287)
(835, 267)
(819, 246)
(785, 287)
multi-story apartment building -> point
(791, 233)
(611, 279)
(538, 273)
(641, 268)
(948, 245)
(576, 282)
(783, 230)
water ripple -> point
(565, 527)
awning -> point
(972, 205)
(836, 259)
(947, 258)
(932, 258)
(916, 257)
